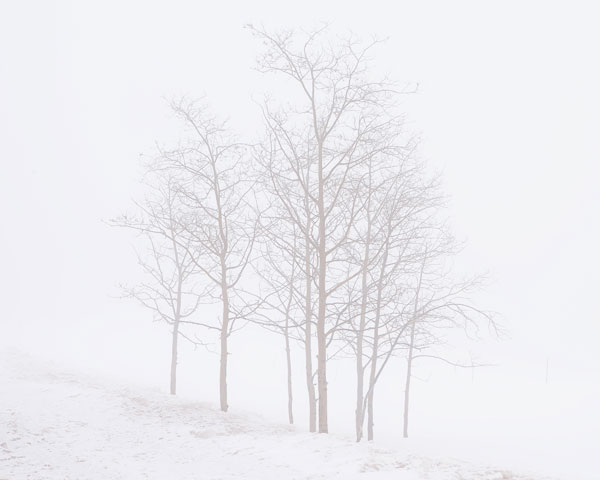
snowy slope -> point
(56, 425)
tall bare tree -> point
(171, 289)
(440, 304)
(278, 269)
(337, 120)
(287, 228)
(399, 199)
(219, 224)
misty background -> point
(508, 109)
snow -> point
(63, 425)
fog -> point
(507, 108)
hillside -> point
(60, 425)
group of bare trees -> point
(326, 230)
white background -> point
(508, 108)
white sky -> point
(509, 108)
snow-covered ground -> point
(61, 425)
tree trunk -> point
(375, 352)
(411, 347)
(224, 337)
(312, 400)
(370, 423)
(174, 356)
(359, 394)
(176, 319)
(321, 340)
(360, 370)
(289, 373)
(407, 385)
(372, 379)
(322, 376)
(371, 392)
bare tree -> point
(282, 302)
(318, 150)
(399, 198)
(287, 228)
(218, 222)
(440, 304)
(170, 290)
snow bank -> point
(59, 425)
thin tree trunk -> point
(372, 378)
(359, 413)
(176, 319)
(312, 400)
(288, 358)
(322, 365)
(321, 340)
(375, 352)
(370, 423)
(360, 369)
(411, 351)
(224, 337)
(174, 356)
(312, 397)
(359, 388)
(408, 377)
